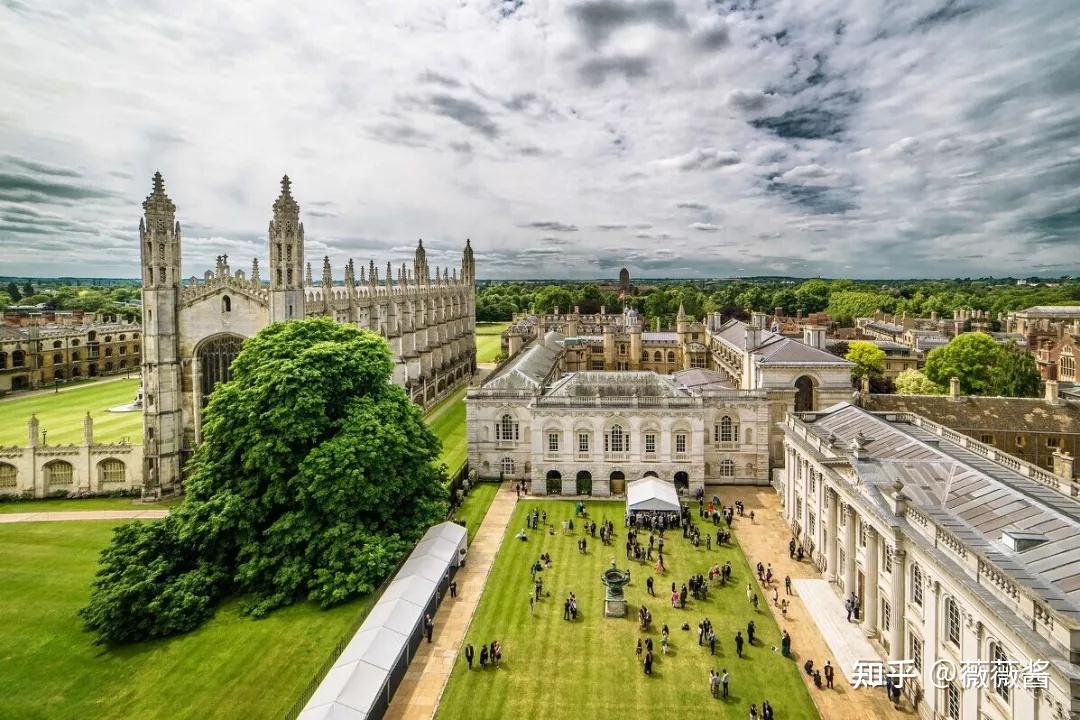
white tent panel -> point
(352, 688)
(378, 646)
(425, 566)
(652, 494)
(440, 548)
(398, 615)
(415, 589)
(331, 711)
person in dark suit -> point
(828, 674)
(429, 625)
(469, 652)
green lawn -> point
(447, 421)
(475, 506)
(232, 667)
(61, 414)
(488, 340)
(96, 503)
(557, 669)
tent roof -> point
(347, 691)
(399, 615)
(426, 566)
(440, 548)
(651, 493)
(446, 530)
(377, 646)
(417, 590)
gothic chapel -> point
(193, 329)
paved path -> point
(846, 640)
(19, 394)
(766, 540)
(420, 690)
(83, 515)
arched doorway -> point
(215, 356)
(618, 482)
(682, 481)
(804, 394)
(650, 473)
(554, 482)
(584, 482)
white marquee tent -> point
(651, 494)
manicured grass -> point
(475, 506)
(488, 340)
(447, 421)
(584, 669)
(96, 503)
(61, 414)
(232, 667)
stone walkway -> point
(83, 515)
(846, 640)
(766, 540)
(420, 690)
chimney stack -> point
(1051, 393)
(814, 336)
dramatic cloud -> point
(566, 138)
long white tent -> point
(651, 494)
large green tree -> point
(983, 366)
(314, 477)
(913, 382)
(869, 359)
(13, 292)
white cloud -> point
(879, 136)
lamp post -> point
(56, 385)
(44, 437)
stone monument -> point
(614, 579)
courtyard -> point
(60, 414)
(553, 668)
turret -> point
(420, 260)
(256, 281)
(286, 237)
(468, 264)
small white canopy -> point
(651, 493)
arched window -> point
(57, 358)
(658, 356)
(59, 472)
(726, 431)
(57, 344)
(18, 358)
(74, 343)
(112, 471)
(727, 468)
(506, 465)
(645, 355)
(3, 360)
(616, 441)
(8, 474)
(916, 584)
(671, 356)
(999, 671)
(215, 356)
(507, 429)
(952, 621)
(226, 304)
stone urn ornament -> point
(614, 580)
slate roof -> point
(776, 349)
(622, 383)
(531, 367)
(970, 495)
(700, 379)
(663, 336)
(1052, 310)
(1002, 414)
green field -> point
(447, 421)
(557, 669)
(475, 506)
(60, 414)
(73, 504)
(231, 667)
(488, 339)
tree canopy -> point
(314, 477)
(869, 359)
(983, 366)
(913, 382)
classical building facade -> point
(589, 432)
(957, 552)
(87, 468)
(47, 348)
(193, 329)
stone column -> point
(849, 551)
(831, 535)
(898, 602)
(870, 602)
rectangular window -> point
(680, 443)
(1053, 442)
(886, 614)
(999, 673)
(986, 439)
(952, 702)
(597, 365)
(916, 584)
(952, 621)
(1020, 441)
(553, 442)
(650, 443)
(811, 523)
(813, 482)
(916, 653)
(583, 442)
(886, 558)
(862, 534)
(622, 349)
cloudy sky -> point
(692, 138)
